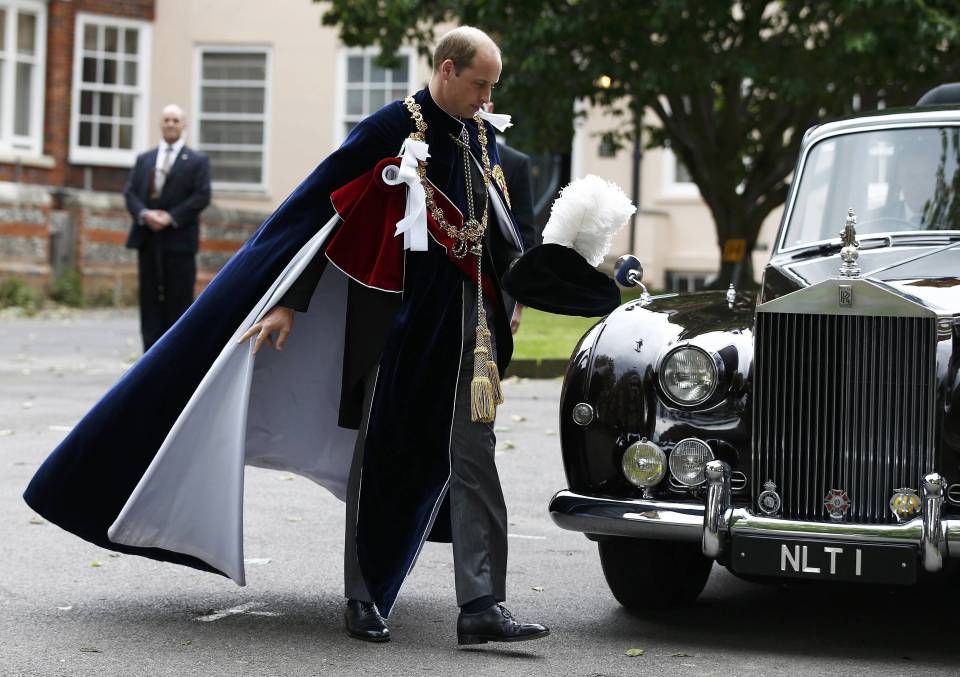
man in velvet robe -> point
(367, 397)
(407, 375)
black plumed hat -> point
(556, 279)
(560, 275)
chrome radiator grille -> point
(842, 402)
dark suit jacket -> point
(185, 194)
(516, 170)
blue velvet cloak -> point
(85, 483)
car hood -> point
(921, 272)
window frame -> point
(198, 115)
(340, 99)
(672, 276)
(112, 157)
(671, 188)
(31, 145)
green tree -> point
(734, 84)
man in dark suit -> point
(167, 189)
(519, 192)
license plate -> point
(826, 560)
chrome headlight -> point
(688, 375)
(644, 464)
(688, 461)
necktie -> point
(161, 176)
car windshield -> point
(896, 180)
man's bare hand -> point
(279, 321)
(515, 320)
(163, 217)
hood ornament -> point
(851, 247)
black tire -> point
(653, 574)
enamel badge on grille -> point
(837, 503)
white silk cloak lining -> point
(277, 411)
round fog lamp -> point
(688, 375)
(644, 464)
(687, 461)
(583, 414)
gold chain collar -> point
(486, 392)
(468, 237)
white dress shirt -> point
(176, 147)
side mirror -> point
(627, 271)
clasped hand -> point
(157, 219)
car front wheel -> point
(650, 574)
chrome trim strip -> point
(634, 518)
(738, 481)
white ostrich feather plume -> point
(587, 215)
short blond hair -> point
(460, 46)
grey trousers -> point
(478, 514)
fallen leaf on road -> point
(95, 564)
(90, 649)
(549, 432)
(186, 643)
(507, 444)
(27, 405)
(65, 608)
(36, 520)
(518, 419)
(293, 518)
(537, 588)
(287, 478)
(501, 428)
(6, 432)
(114, 554)
(60, 428)
(257, 560)
(681, 654)
(633, 653)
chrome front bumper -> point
(714, 523)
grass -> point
(547, 336)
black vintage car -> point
(810, 430)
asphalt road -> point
(70, 608)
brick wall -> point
(66, 215)
(61, 16)
(43, 230)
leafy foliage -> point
(15, 292)
(67, 288)
(734, 84)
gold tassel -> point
(489, 367)
(494, 375)
(483, 408)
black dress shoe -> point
(364, 622)
(495, 625)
